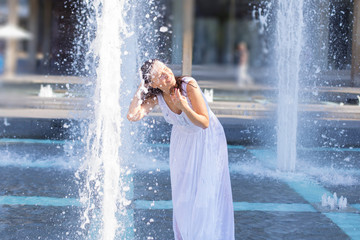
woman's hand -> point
(198, 113)
(179, 100)
(140, 108)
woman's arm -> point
(199, 114)
(138, 109)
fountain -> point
(111, 47)
(105, 166)
(289, 42)
(333, 202)
(57, 183)
(103, 195)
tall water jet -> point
(289, 41)
(103, 167)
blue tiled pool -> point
(39, 193)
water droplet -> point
(164, 29)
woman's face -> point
(161, 76)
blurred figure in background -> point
(242, 59)
(2, 60)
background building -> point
(56, 27)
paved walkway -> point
(231, 103)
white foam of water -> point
(330, 175)
(333, 202)
(209, 94)
(6, 123)
(12, 159)
(263, 16)
(325, 175)
(145, 163)
(46, 91)
(289, 41)
(104, 165)
(257, 169)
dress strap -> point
(184, 84)
(186, 81)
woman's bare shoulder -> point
(192, 85)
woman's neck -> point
(168, 91)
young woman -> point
(200, 180)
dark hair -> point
(145, 72)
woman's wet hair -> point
(146, 76)
(146, 70)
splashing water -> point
(103, 167)
(333, 202)
(263, 16)
(46, 91)
(288, 48)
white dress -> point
(200, 180)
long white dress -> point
(200, 180)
